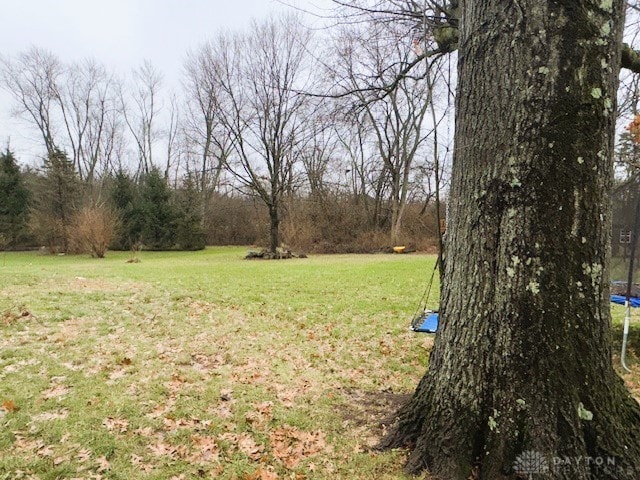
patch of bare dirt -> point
(370, 413)
(91, 285)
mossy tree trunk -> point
(521, 369)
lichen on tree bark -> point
(522, 361)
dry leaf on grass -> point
(117, 425)
(248, 446)
(207, 449)
(162, 449)
(261, 414)
(103, 464)
(9, 406)
(145, 432)
(291, 446)
(84, 455)
(138, 461)
(45, 451)
(262, 474)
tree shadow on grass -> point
(371, 412)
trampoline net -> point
(624, 206)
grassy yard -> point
(204, 365)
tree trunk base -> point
(541, 439)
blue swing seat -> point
(426, 323)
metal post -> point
(625, 334)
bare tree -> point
(317, 154)
(373, 54)
(112, 145)
(86, 98)
(172, 136)
(365, 175)
(203, 127)
(258, 75)
(141, 110)
(32, 80)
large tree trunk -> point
(274, 228)
(521, 371)
(396, 220)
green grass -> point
(190, 365)
(205, 365)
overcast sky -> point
(121, 34)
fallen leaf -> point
(207, 447)
(262, 474)
(103, 464)
(84, 455)
(162, 449)
(248, 446)
(138, 462)
(10, 406)
(144, 432)
(226, 394)
(116, 425)
(291, 446)
(261, 414)
(46, 451)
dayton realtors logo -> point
(531, 463)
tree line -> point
(51, 207)
(269, 140)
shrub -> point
(93, 229)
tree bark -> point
(274, 229)
(521, 368)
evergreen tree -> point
(159, 225)
(190, 234)
(14, 198)
(57, 196)
(125, 199)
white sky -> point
(120, 34)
